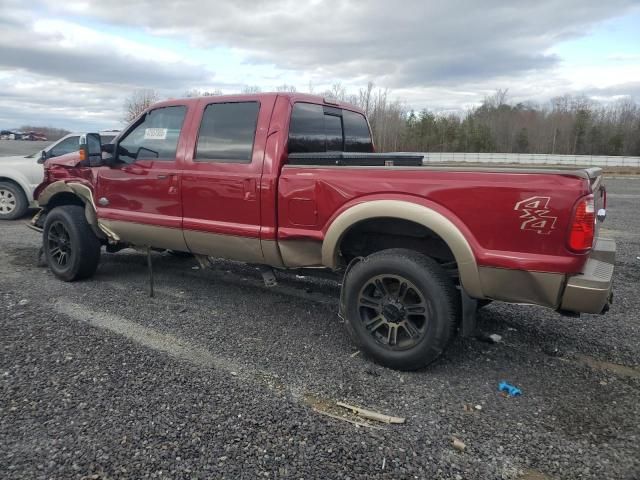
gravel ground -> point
(219, 377)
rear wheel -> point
(71, 249)
(179, 254)
(401, 308)
(484, 303)
(13, 201)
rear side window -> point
(154, 137)
(315, 129)
(306, 131)
(357, 137)
(333, 130)
(227, 132)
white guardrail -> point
(530, 159)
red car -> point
(291, 180)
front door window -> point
(155, 137)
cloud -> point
(89, 67)
(615, 92)
(75, 53)
(76, 61)
(66, 74)
(28, 99)
(407, 43)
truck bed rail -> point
(357, 159)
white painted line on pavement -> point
(148, 337)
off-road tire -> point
(13, 201)
(180, 254)
(83, 245)
(484, 303)
(426, 283)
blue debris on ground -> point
(510, 390)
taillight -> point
(583, 225)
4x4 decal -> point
(535, 214)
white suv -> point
(19, 176)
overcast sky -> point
(71, 63)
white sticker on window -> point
(155, 133)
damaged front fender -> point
(47, 199)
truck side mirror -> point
(108, 148)
(43, 157)
(109, 158)
(91, 150)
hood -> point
(68, 160)
(16, 160)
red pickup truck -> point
(292, 180)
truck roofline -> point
(249, 97)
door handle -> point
(164, 176)
(173, 181)
(249, 185)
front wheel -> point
(13, 202)
(71, 249)
(401, 308)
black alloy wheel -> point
(71, 248)
(59, 244)
(394, 311)
(400, 307)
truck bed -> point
(408, 159)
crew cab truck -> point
(292, 180)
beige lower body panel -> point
(147, 235)
(301, 253)
(244, 249)
(271, 253)
(521, 286)
(230, 247)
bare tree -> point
(497, 99)
(138, 102)
(251, 89)
(338, 91)
(203, 93)
(364, 98)
(51, 133)
(286, 88)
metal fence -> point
(539, 159)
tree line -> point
(51, 133)
(574, 125)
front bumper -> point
(590, 291)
